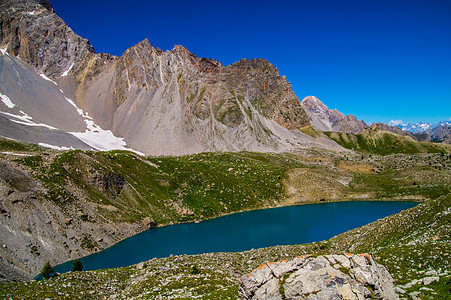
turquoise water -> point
(242, 231)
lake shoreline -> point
(321, 207)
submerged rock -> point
(323, 277)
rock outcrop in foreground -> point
(323, 277)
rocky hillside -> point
(63, 205)
(325, 119)
(412, 245)
(152, 101)
(348, 276)
(59, 206)
(442, 133)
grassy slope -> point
(383, 143)
(167, 189)
(202, 186)
(407, 243)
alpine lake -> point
(243, 231)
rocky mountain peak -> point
(313, 101)
(46, 4)
(143, 44)
(256, 64)
(314, 104)
(325, 119)
(160, 102)
(31, 31)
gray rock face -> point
(32, 31)
(324, 277)
(40, 112)
(159, 102)
(36, 229)
(174, 102)
(442, 132)
(46, 4)
(325, 119)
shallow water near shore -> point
(243, 231)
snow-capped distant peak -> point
(419, 126)
(397, 123)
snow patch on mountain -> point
(65, 73)
(3, 51)
(7, 101)
(80, 111)
(48, 79)
(103, 140)
(25, 119)
(55, 147)
(98, 138)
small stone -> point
(140, 266)
(415, 295)
(429, 280)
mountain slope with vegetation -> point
(414, 246)
(374, 140)
(63, 205)
(59, 205)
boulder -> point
(324, 277)
(149, 222)
(429, 280)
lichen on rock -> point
(324, 277)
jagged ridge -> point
(325, 119)
(168, 102)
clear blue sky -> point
(379, 60)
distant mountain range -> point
(328, 120)
(418, 127)
(424, 131)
